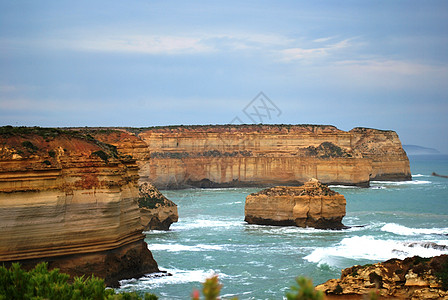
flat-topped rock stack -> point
(311, 205)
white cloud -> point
(323, 40)
(310, 54)
(390, 67)
(150, 44)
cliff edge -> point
(310, 205)
(71, 200)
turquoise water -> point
(400, 219)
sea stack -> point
(311, 205)
(156, 211)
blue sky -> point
(380, 64)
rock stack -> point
(311, 205)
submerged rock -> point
(411, 278)
(311, 205)
(156, 211)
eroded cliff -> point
(260, 155)
(71, 200)
(156, 211)
(310, 205)
(411, 278)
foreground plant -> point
(304, 291)
(41, 283)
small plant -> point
(30, 146)
(443, 275)
(46, 162)
(304, 291)
(210, 288)
(52, 153)
(101, 154)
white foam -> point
(343, 186)
(179, 247)
(204, 223)
(420, 175)
(178, 277)
(369, 248)
(397, 183)
(403, 230)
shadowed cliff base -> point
(125, 262)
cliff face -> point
(411, 278)
(71, 200)
(259, 155)
(311, 205)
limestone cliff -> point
(411, 278)
(70, 200)
(310, 205)
(260, 155)
(156, 211)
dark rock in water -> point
(427, 245)
(438, 175)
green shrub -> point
(52, 153)
(41, 283)
(101, 154)
(304, 291)
(29, 146)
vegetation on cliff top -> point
(47, 134)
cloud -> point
(391, 67)
(310, 54)
(323, 40)
(149, 44)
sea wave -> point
(420, 175)
(370, 248)
(343, 186)
(398, 183)
(403, 230)
(205, 223)
(176, 277)
(180, 247)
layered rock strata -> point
(156, 211)
(310, 205)
(411, 278)
(71, 200)
(260, 155)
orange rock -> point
(310, 205)
(257, 155)
(70, 200)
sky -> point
(378, 64)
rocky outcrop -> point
(156, 211)
(70, 199)
(310, 205)
(260, 155)
(411, 278)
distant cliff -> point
(260, 155)
(71, 200)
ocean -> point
(399, 219)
